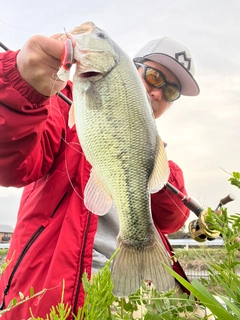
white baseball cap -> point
(174, 56)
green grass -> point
(3, 252)
(194, 257)
(197, 259)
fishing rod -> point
(199, 229)
(3, 46)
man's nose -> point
(156, 94)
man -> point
(54, 234)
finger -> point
(59, 36)
(51, 46)
(56, 36)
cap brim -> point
(189, 86)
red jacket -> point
(54, 234)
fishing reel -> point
(200, 230)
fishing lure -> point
(67, 60)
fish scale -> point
(119, 137)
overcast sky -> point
(202, 132)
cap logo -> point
(182, 58)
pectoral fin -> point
(96, 198)
(160, 173)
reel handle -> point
(227, 199)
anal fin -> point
(96, 198)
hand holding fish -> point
(38, 62)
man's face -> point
(157, 97)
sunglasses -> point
(157, 79)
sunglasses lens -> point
(154, 78)
(171, 93)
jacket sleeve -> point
(169, 213)
(31, 127)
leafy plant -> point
(6, 263)
(225, 271)
(101, 304)
(235, 179)
(152, 305)
(21, 299)
(98, 296)
(60, 312)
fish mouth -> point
(90, 74)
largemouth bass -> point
(118, 134)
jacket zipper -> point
(81, 265)
(25, 250)
(60, 202)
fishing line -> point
(64, 138)
(51, 105)
(166, 191)
(69, 178)
(15, 27)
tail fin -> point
(131, 266)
